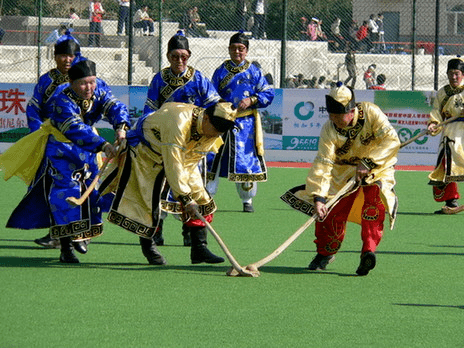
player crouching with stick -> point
(357, 141)
(166, 147)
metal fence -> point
(301, 43)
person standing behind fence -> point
(66, 49)
(259, 13)
(449, 169)
(178, 83)
(73, 14)
(96, 13)
(381, 48)
(373, 35)
(142, 20)
(123, 16)
(312, 29)
(241, 13)
(350, 64)
(362, 36)
(370, 76)
(241, 158)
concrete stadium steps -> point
(17, 62)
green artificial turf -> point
(413, 298)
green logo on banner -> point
(304, 110)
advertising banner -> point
(293, 122)
(302, 112)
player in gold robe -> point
(167, 146)
(358, 141)
(450, 163)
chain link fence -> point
(300, 43)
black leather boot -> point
(199, 252)
(150, 252)
(158, 237)
(67, 253)
(186, 235)
(81, 246)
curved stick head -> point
(248, 271)
(74, 201)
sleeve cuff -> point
(185, 199)
(368, 163)
(320, 199)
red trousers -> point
(331, 232)
(449, 191)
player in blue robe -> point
(178, 83)
(70, 162)
(66, 49)
(241, 158)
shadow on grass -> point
(300, 270)
(426, 305)
(415, 213)
(35, 246)
(397, 252)
(48, 262)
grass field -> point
(413, 298)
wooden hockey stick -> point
(426, 131)
(86, 194)
(240, 271)
(254, 266)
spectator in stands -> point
(96, 13)
(380, 83)
(338, 44)
(290, 81)
(2, 33)
(321, 36)
(142, 20)
(373, 35)
(321, 82)
(73, 14)
(241, 13)
(312, 83)
(362, 36)
(352, 37)
(259, 9)
(381, 40)
(312, 29)
(370, 76)
(195, 27)
(123, 16)
(350, 64)
(304, 29)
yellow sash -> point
(258, 129)
(23, 158)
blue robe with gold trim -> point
(43, 91)
(69, 167)
(190, 87)
(241, 158)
